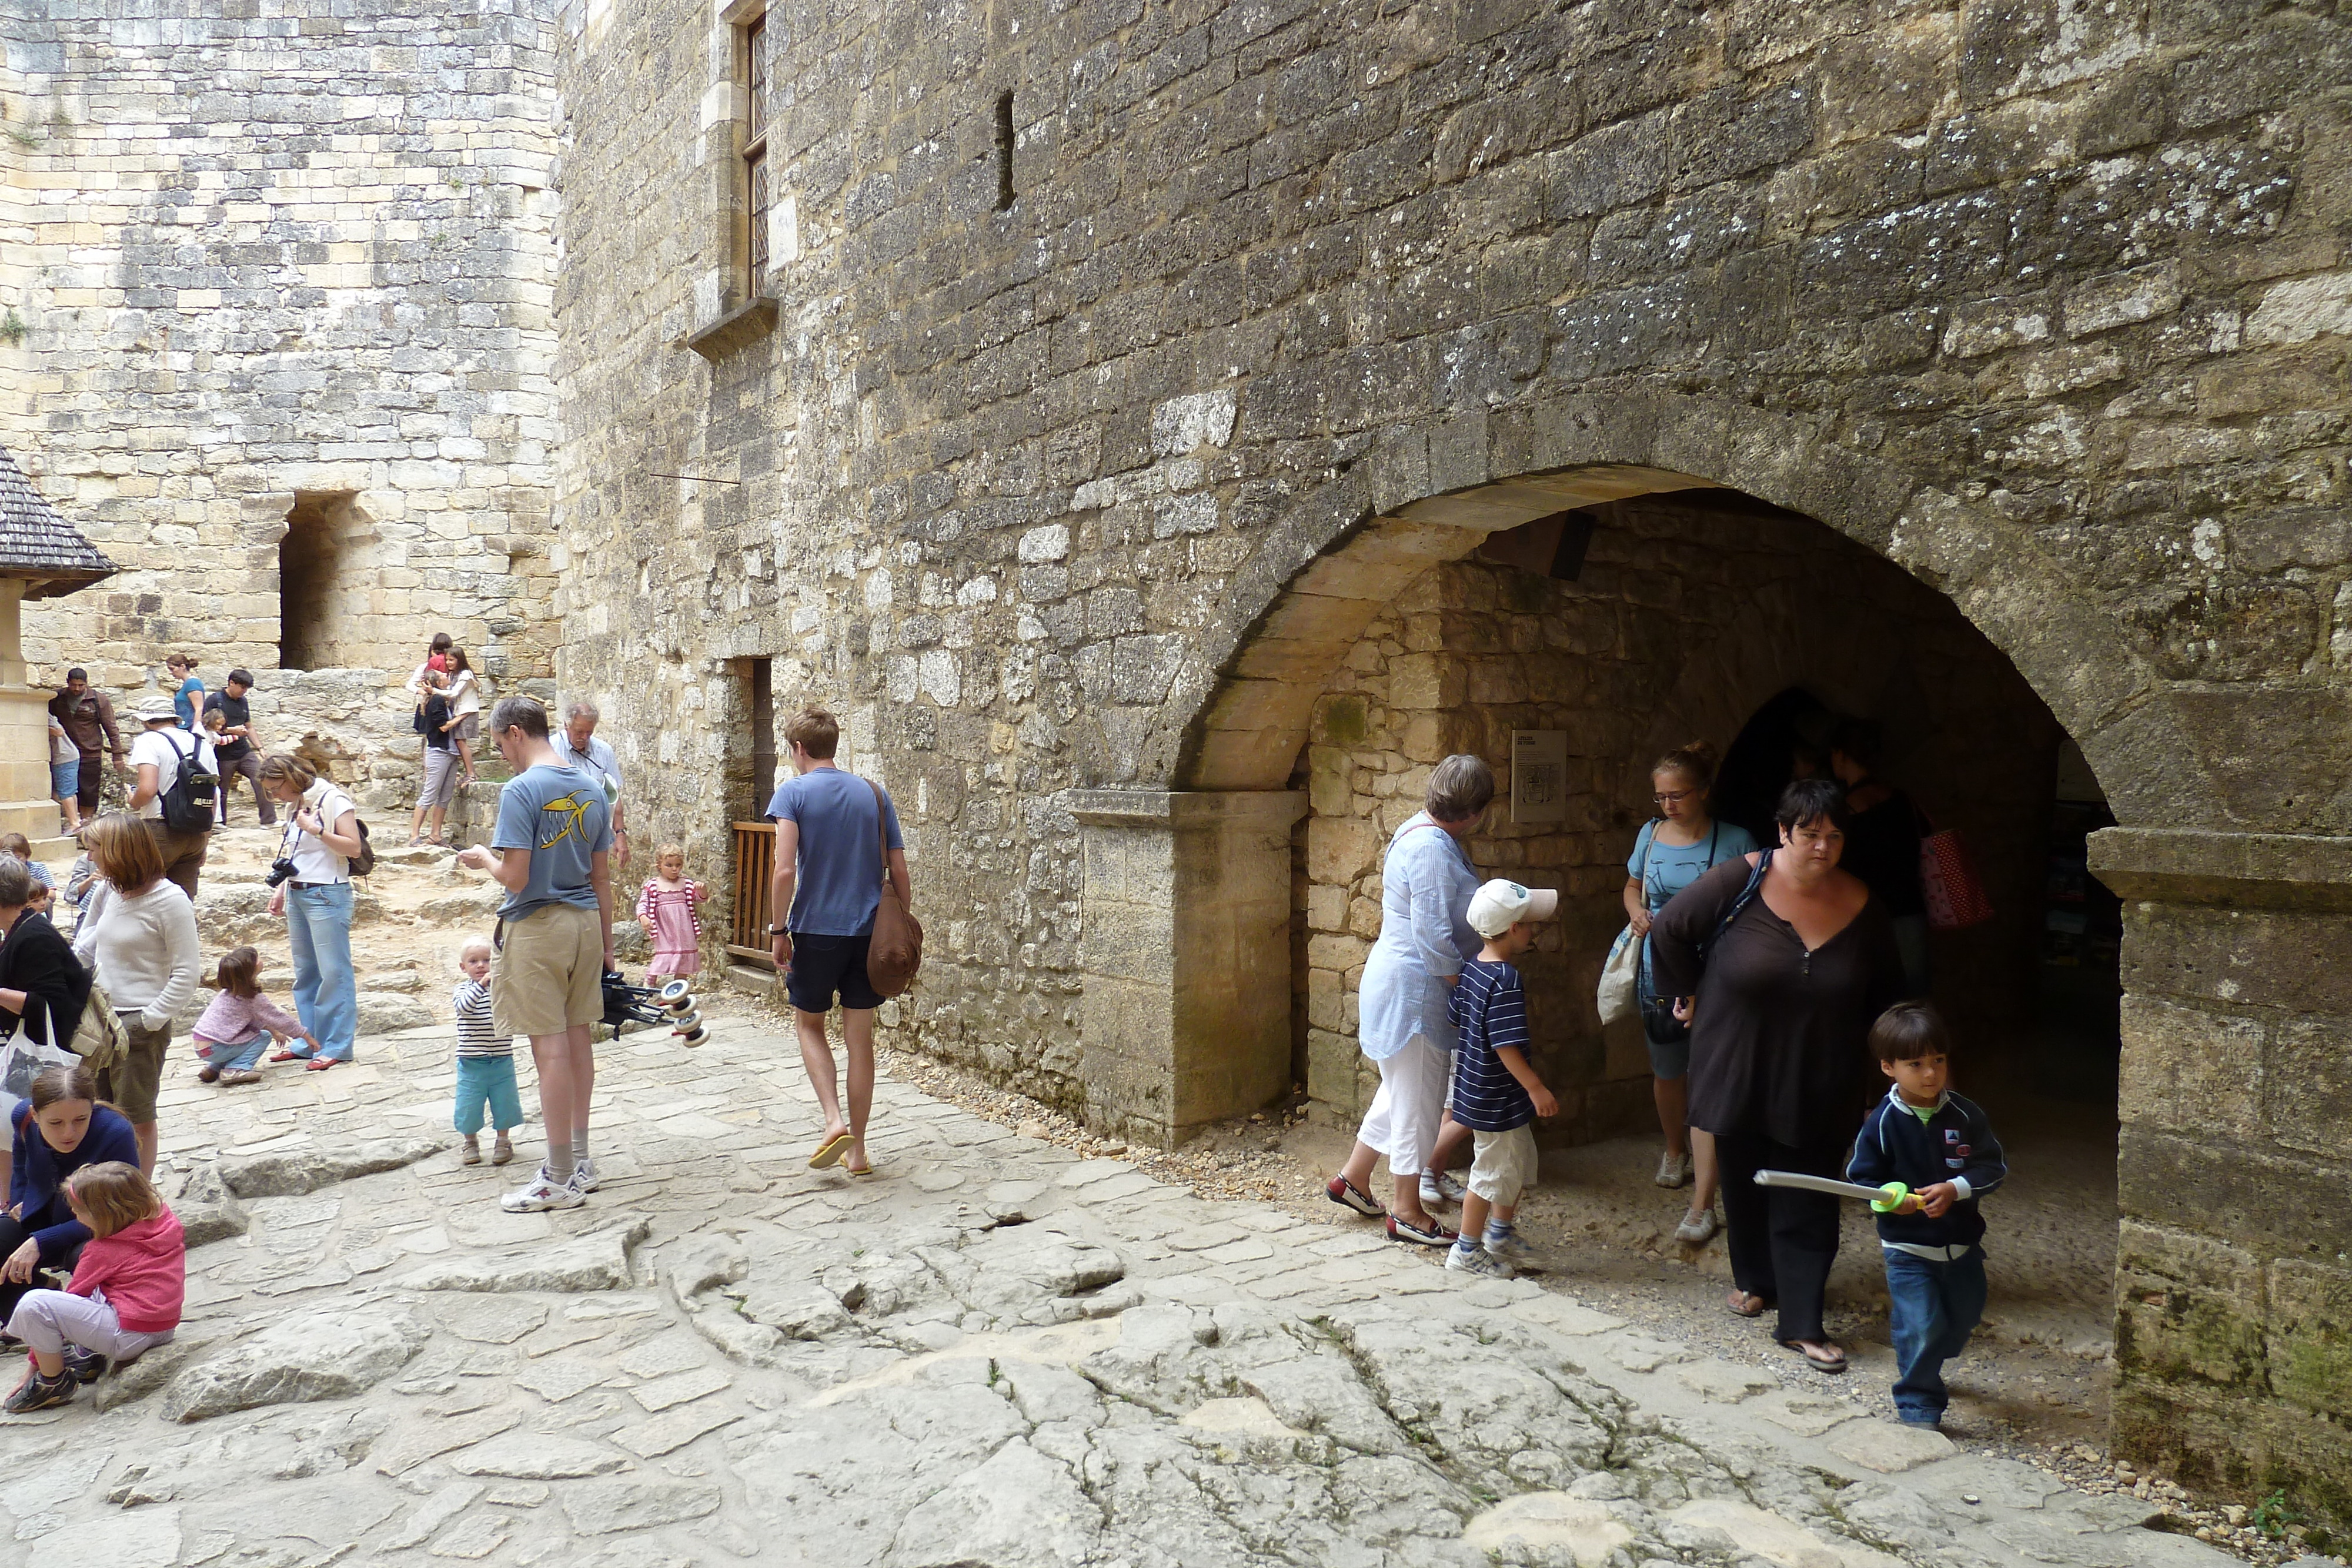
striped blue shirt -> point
(1489, 1006)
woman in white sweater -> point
(138, 931)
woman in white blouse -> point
(315, 897)
(139, 933)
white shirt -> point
(1426, 880)
(162, 749)
(144, 948)
(313, 861)
(597, 762)
(464, 694)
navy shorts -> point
(824, 965)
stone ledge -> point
(739, 328)
(2247, 870)
(1181, 809)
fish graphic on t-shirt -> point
(570, 807)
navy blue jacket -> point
(37, 1174)
(1954, 1145)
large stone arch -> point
(1238, 714)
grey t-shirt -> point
(559, 815)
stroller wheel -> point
(694, 1036)
(673, 995)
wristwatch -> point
(780, 931)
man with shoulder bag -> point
(841, 873)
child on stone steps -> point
(1496, 1094)
(125, 1297)
(240, 1023)
(486, 1070)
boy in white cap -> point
(1496, 1094)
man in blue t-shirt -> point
(830, 861)
(554, 942)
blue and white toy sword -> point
(1884, 1199)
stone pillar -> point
(1186, 955)
(25, 804)
(2233, 1275)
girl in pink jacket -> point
(125, 1296)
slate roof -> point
(37, 543)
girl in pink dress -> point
(665, 908)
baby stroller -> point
(672, 1003)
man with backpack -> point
(176, 790)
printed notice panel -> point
(1539, 775)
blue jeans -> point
(326, 993)
(487, 1081)
(1933, 1309)
(234, 1055)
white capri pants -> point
(49, 1321)
(1404, 1121)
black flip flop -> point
(1816, 1362)
(1757, 1311)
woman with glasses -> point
(1677, 848)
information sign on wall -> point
(1539, 775)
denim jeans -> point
(487, 1081)
(326, 993)
(234, 1055)
(1933, 1309)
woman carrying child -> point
(435, 721)
(240, 1021)
(666, 909)
(127, 1292)
(60, 1129)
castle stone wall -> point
(266, 258)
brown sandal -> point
(1746, 1303)
(1822, 1356)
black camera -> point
(280, 870)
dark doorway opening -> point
(760, 677)
(310, 565)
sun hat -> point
(1500, 905)
(158, 710)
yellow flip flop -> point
(829, 1152)
(859, 1170)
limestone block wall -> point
(1689, 613)
(289, 269)
(2044, 303)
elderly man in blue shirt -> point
(1426, 883)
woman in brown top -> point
(1786, 989)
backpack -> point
(189, 805)
(894, 955)
(362, 864)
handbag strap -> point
(881, 831)
(1747, 896)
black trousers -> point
(14, 1234)
(1782, 1240)
(248, 768)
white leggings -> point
(1410, 1105)
(49, 1321)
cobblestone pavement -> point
(991, 1354)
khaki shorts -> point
(131, 1084)
(1504, 1166)
(548, 974)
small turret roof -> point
(38, 543)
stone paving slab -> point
(991, 1353)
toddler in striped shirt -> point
(1496, 1094)
(486, 1070)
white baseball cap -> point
(1500, 905)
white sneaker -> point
(543, 1193)
(1483, 1263)
(1674, 1169)
(1439, 1186)
(1514, 1250)
(583, 1176)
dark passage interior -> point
(1706, 614)
(311, 567)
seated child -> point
(126, 1292)
(241, 1023)
(486, 1070)
(1496, 1094)
(666, 909)
(1942, 1148)
(44, 883)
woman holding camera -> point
(311, 883)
